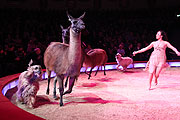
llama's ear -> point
(61, 27)
(30, 63)
(82, 16)
(69, 16)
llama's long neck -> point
(74, 48)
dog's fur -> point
(28, 85)
(123, 61)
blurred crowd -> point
(25, 34)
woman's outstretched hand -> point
(134, 53)
(178, 54)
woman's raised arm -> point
(173, 48)
(143, 49)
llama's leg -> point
(90, 73)
(66, 81)
(60, 79)
(54, 92)
(86, 72)
(96, 71)
(71, 84)
(49, 77)
(104, 70)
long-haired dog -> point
(28, 85)
(123, 61)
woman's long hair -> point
(164, 35)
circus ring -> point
(10, 111)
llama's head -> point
(65, 32)
(76, 23)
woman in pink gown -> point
(157, 59)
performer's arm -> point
(173, 48)
(143, 49)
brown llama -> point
(93, 58)
(64, 59)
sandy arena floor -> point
(116, 96)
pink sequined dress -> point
(158, 56)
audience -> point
(121, 50)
